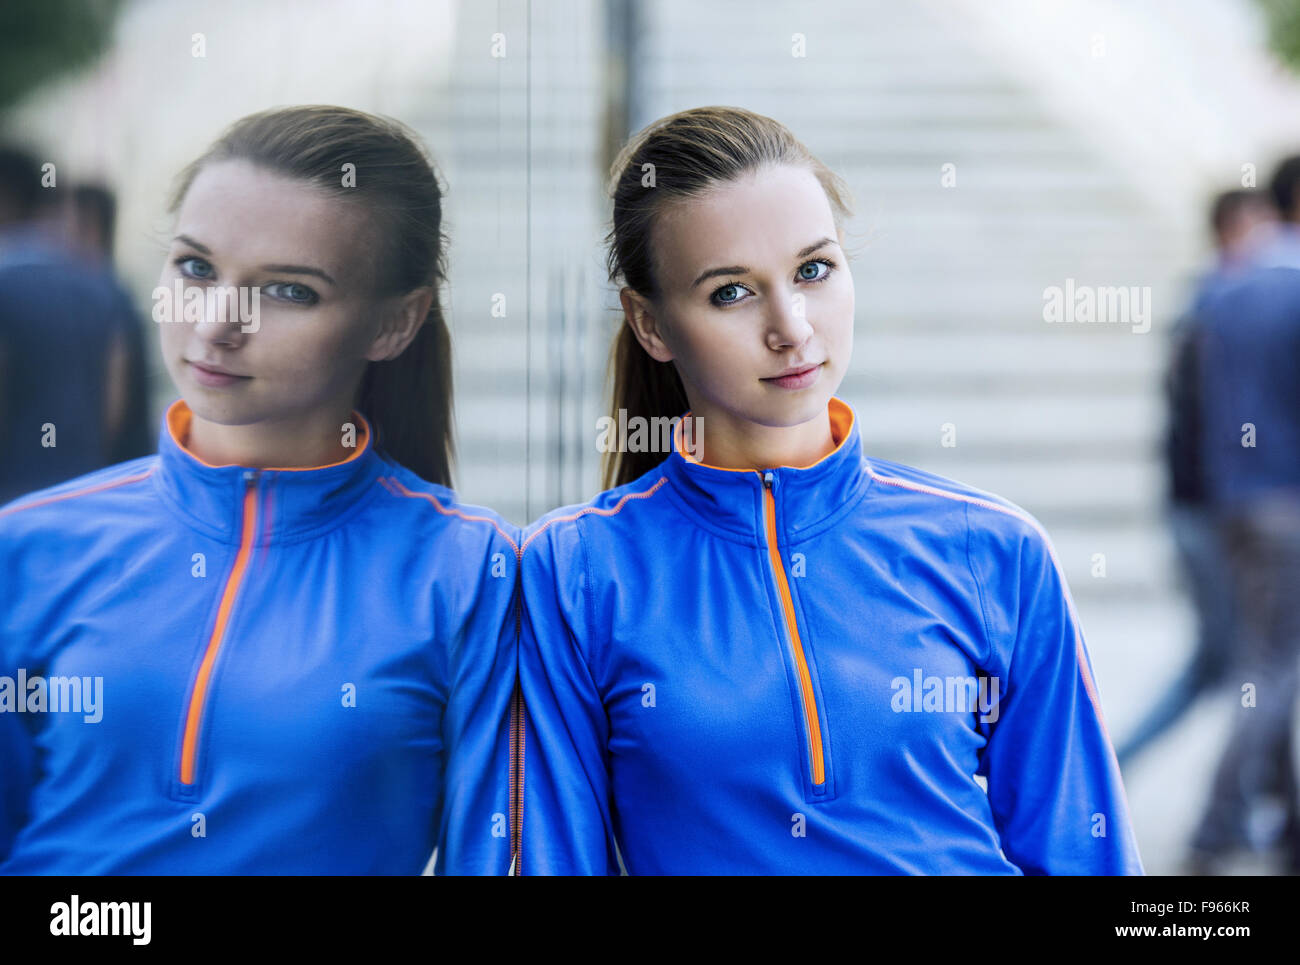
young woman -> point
(292, 649)
(773, 654)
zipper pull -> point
(252, 477)
(768, 478)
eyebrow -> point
(291, 269)
(742, 270)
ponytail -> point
(408, 401)
(644, 387)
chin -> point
(221, 412)
(798, 408)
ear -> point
(402, 318)
(639, 314)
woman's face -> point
(242, 225)
(754, 285)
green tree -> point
(1283, 17)
(41, 39)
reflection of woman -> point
(775, 654)
(305, 644)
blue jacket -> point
(1249, 375)
(740, 671)
(297, 671)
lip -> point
(205, 373)
(797, 377)
(795, 370)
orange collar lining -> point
(179, 418)
(841, 417)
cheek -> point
(837, 313)
(171, 339)
(316, 347)
(721, 356)
(701, 341)
(161, 307)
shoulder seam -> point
(613, 510)
(397, 488)
(99, 487)
(948, 494)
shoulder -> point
(607, 516)
(437, 507)
(565, 551)
(993, 523)
(85, 496)
(1018, 577)
(1262, 287)
(930, 490)
(76, 525)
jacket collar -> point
(807, 498)
(291, 502)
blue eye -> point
(815, 274)
(203, 272)
(727, 294)
(819, 269)
(293, 292)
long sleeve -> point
(566, 825)
(474, 833)
(1053, 780)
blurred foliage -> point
(1283, 17)
(41, 39)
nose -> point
(787, 322)
(218, 323)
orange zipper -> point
(787, 605)
(189, 746)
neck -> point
(305, 442)
(729, 443)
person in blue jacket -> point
(1247, 376)
(761, 651)
(279, 645)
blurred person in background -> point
(1239, 223)
(1249, 380)
(72, 398)
(90, 222)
